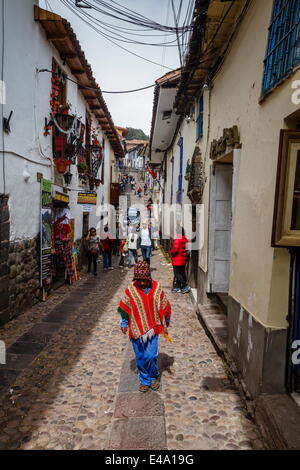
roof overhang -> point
(215, 24)
(60, 33)
(164, 118)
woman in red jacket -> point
(179, 260)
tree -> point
(136, 134)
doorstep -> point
(278, 416)
(214, 320)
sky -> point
(115, 69)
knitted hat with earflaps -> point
(142, 270)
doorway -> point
(220, 225)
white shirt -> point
(145, 237)
(132, 241)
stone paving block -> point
(129, 383)
(17, 361)
(138, 434)
(40, 333)
(7, 378)
(129, 367)
(59, 316)
(21, 347)
(137, 404)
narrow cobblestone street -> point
(70, 380)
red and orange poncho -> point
(147, 314)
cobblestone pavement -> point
(203, 409)
(73, 388)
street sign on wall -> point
(87, 198)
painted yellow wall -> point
(259, 274)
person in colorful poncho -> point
(145, 313)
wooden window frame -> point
(282, 234)
(282, 53)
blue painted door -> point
(179, 189)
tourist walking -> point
(93, 249)
(132, 243)
(145, 313)
(146, 242)
(179, 260)
(123, 250)
(107, 243)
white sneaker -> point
(110, 268)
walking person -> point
(93, 249)
(145, 313)
(179, 260)
(107, 242)
(146, 242)
(123, 250)
(132, 243)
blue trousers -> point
(146, 359)
(132, 253)
(146, 252)
(106, 259)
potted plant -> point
(61, 165)
(82, 167)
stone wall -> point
(19, 269)
(4, 252)
(23, 262)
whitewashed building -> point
(59, 126)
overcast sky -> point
(115, 69)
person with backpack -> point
(146, 242)
(93, 249)
(179, 256)
(132, 243)
(107, 243)
(123, 250)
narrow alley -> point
(72, 381)
(150, 227)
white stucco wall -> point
(26, 148)
(259, 274)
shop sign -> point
(46, 232)
(61, 197)
(86, 208)
(87, 198)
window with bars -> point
(283, 50)
(199, 121)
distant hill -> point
(136, 134)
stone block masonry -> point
(23, 263)
(19, 270)
(4, 252)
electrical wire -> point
(48, 4)
(96, 89)
(176, 25)
(164, 49)
(118, 45)
(134, 18)
(116, 35)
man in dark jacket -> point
(179, 261)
